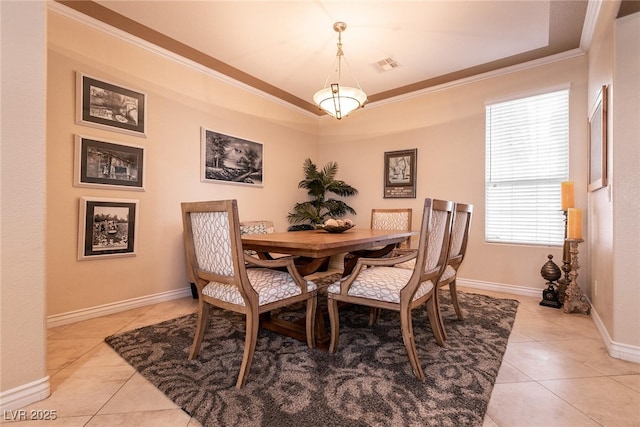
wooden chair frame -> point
(408, 211)
(407, 293)
(351, 258)
(251, 308)
(459, 238)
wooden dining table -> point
(320, 244)
(315, 246)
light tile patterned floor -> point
(555, 372)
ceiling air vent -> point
(387, 64)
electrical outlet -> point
(595, 287)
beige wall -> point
(600, 207)
(180, 99)
(448, 129)
(626, 181)
(613, 224)
(23, 375)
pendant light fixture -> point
(335, 99)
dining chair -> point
(376, 283)
(256, 227)
(459, 238)
(217, 261)
(382, 219)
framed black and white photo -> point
(400, 173)
(231, 160)
(108, 228)
(598, 142)
(109, 106)
(105, 164)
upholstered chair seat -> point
(271, 286)
(382, 284)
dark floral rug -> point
(367, 382)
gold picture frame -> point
(598, 142)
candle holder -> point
(566, 263)
(575, 301)
(550, 272)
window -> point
(527, 157)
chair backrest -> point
(435, 238)
(256, 227)
(392, 219)
(460, 233)
(212, 243)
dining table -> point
(313, 247)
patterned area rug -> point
(368, 382)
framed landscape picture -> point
(598, 142)
(107, 228)
(231, 160)
(109, 106)
(106, 164)
(400, 173)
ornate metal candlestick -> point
(566, 264)
(575, 301)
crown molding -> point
(484, 76)
(96, 24)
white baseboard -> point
(116, 307)
(23, 395)
(500, 287)
(615, 349)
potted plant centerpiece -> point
(319, 183)
(320, 208)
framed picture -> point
(598, 142)
(400, 173)
(105, 164)
(109, 106)
(230, 160)
(107, 228)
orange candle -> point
(574, 224)
(568, 199)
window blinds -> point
(527, 157)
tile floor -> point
(555, 372)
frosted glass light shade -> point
(339, 101)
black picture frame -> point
(228, 159)
(106, 164)
(598, 142)
(107, 105)
(400, 173)
(107, 228)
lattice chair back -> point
(460, 232)
(212, 242)
(392, 219)
(255, 227)
(435, 235)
